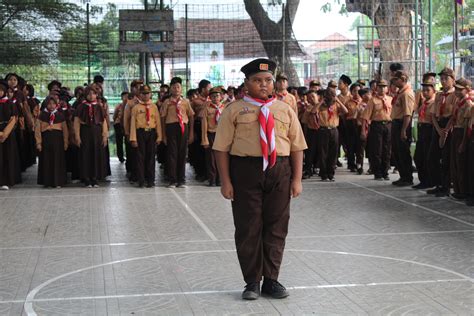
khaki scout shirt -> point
(44, 126)
(427, 107)
(209, 124)
(462, 112)
(449, 99)
(344, 98)
(127, 114)
(118, 114)
(238, 131)
(168, 110)
(352, 107)
(139, 120)
(375, 110)
(360, 110)
(310, 116)
(199, 103)
(419, 99)
(289, 99)
(328, 119)
(403, 104)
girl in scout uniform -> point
(51, 133)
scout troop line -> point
(255, 142)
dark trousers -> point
(327, 150)
(91, 153)
(311, 153)
(401, 151)
(470, 166)
(458, 163)
(261, 210)
(380, 146)
(351, 142)
(119, 136)
(197, 155)
(211, 164)
(131, 162)
(146, 155)
(439, 158)
(176, 149)
(425, 132)
(341, 137)
(360, 147)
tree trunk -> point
(271, 34)
(392, 21)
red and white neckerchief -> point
(423, 108)
(444, 96)
(330, 111)
(395, 98)
(3, 100)
(267, 130)
(218, 113)
(52, 115)
(461, 104)
(178, 113)
(90, 108)
(281, 96)
(385, 104)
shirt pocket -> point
(246, 125)
(282, 124)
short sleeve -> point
(225, 131)
(295, 134)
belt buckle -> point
(147, 129)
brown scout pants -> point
(458, 163)
(261, 210)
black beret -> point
(345, 79)
(259, 65)
(98, 79)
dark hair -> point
(203, 84)
(190, 93)
(372, 82)
(123, 93)
(354, 85)
(98, 79)
(363, 92)
(396, 66)
(31, 90)
(302, 90)
(164, 86)
(329, 96)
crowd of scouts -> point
(345, 118)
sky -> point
(310, 22)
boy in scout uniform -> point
(118, 125)
(440, 142)
(315, 85)
(210, 116)
(145, 134)
(259, 150)
(311, 122)
(425, 132)
(281, 92)
(178, 121)
(343, 97)
(361, 142)
(329, 113)
(130, 151)
(402, 110)
(458, 123)
(378, 113)
(351, 126)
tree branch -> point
(4, 24)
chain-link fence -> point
(214, 41)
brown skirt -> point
(52, 164)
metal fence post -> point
(186, 43)
(283, 53)
(88, 44)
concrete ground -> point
(355, 247)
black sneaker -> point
(338, 163)
(150, 185)
(404, 183)
(434, 190)
(377, 178)
(397, 182)
(252, 291)
(442, 193)
(274, 289)
(360, 171)
(386, 177)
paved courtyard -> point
(355, 247)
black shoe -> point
(397, 182)
(353, 170)
(459, 196)
(324, 179)
(418, 186)
(252, 291)
(369, 172)
(332, 179)
(442, 193)
(360, 171)
(274, 289)
(150, 185)
(386, 177)
(470, 201)
(404, 183)
(434, 191)
(338, 163)
(141, 184)
(378, 178)
(211, 184)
